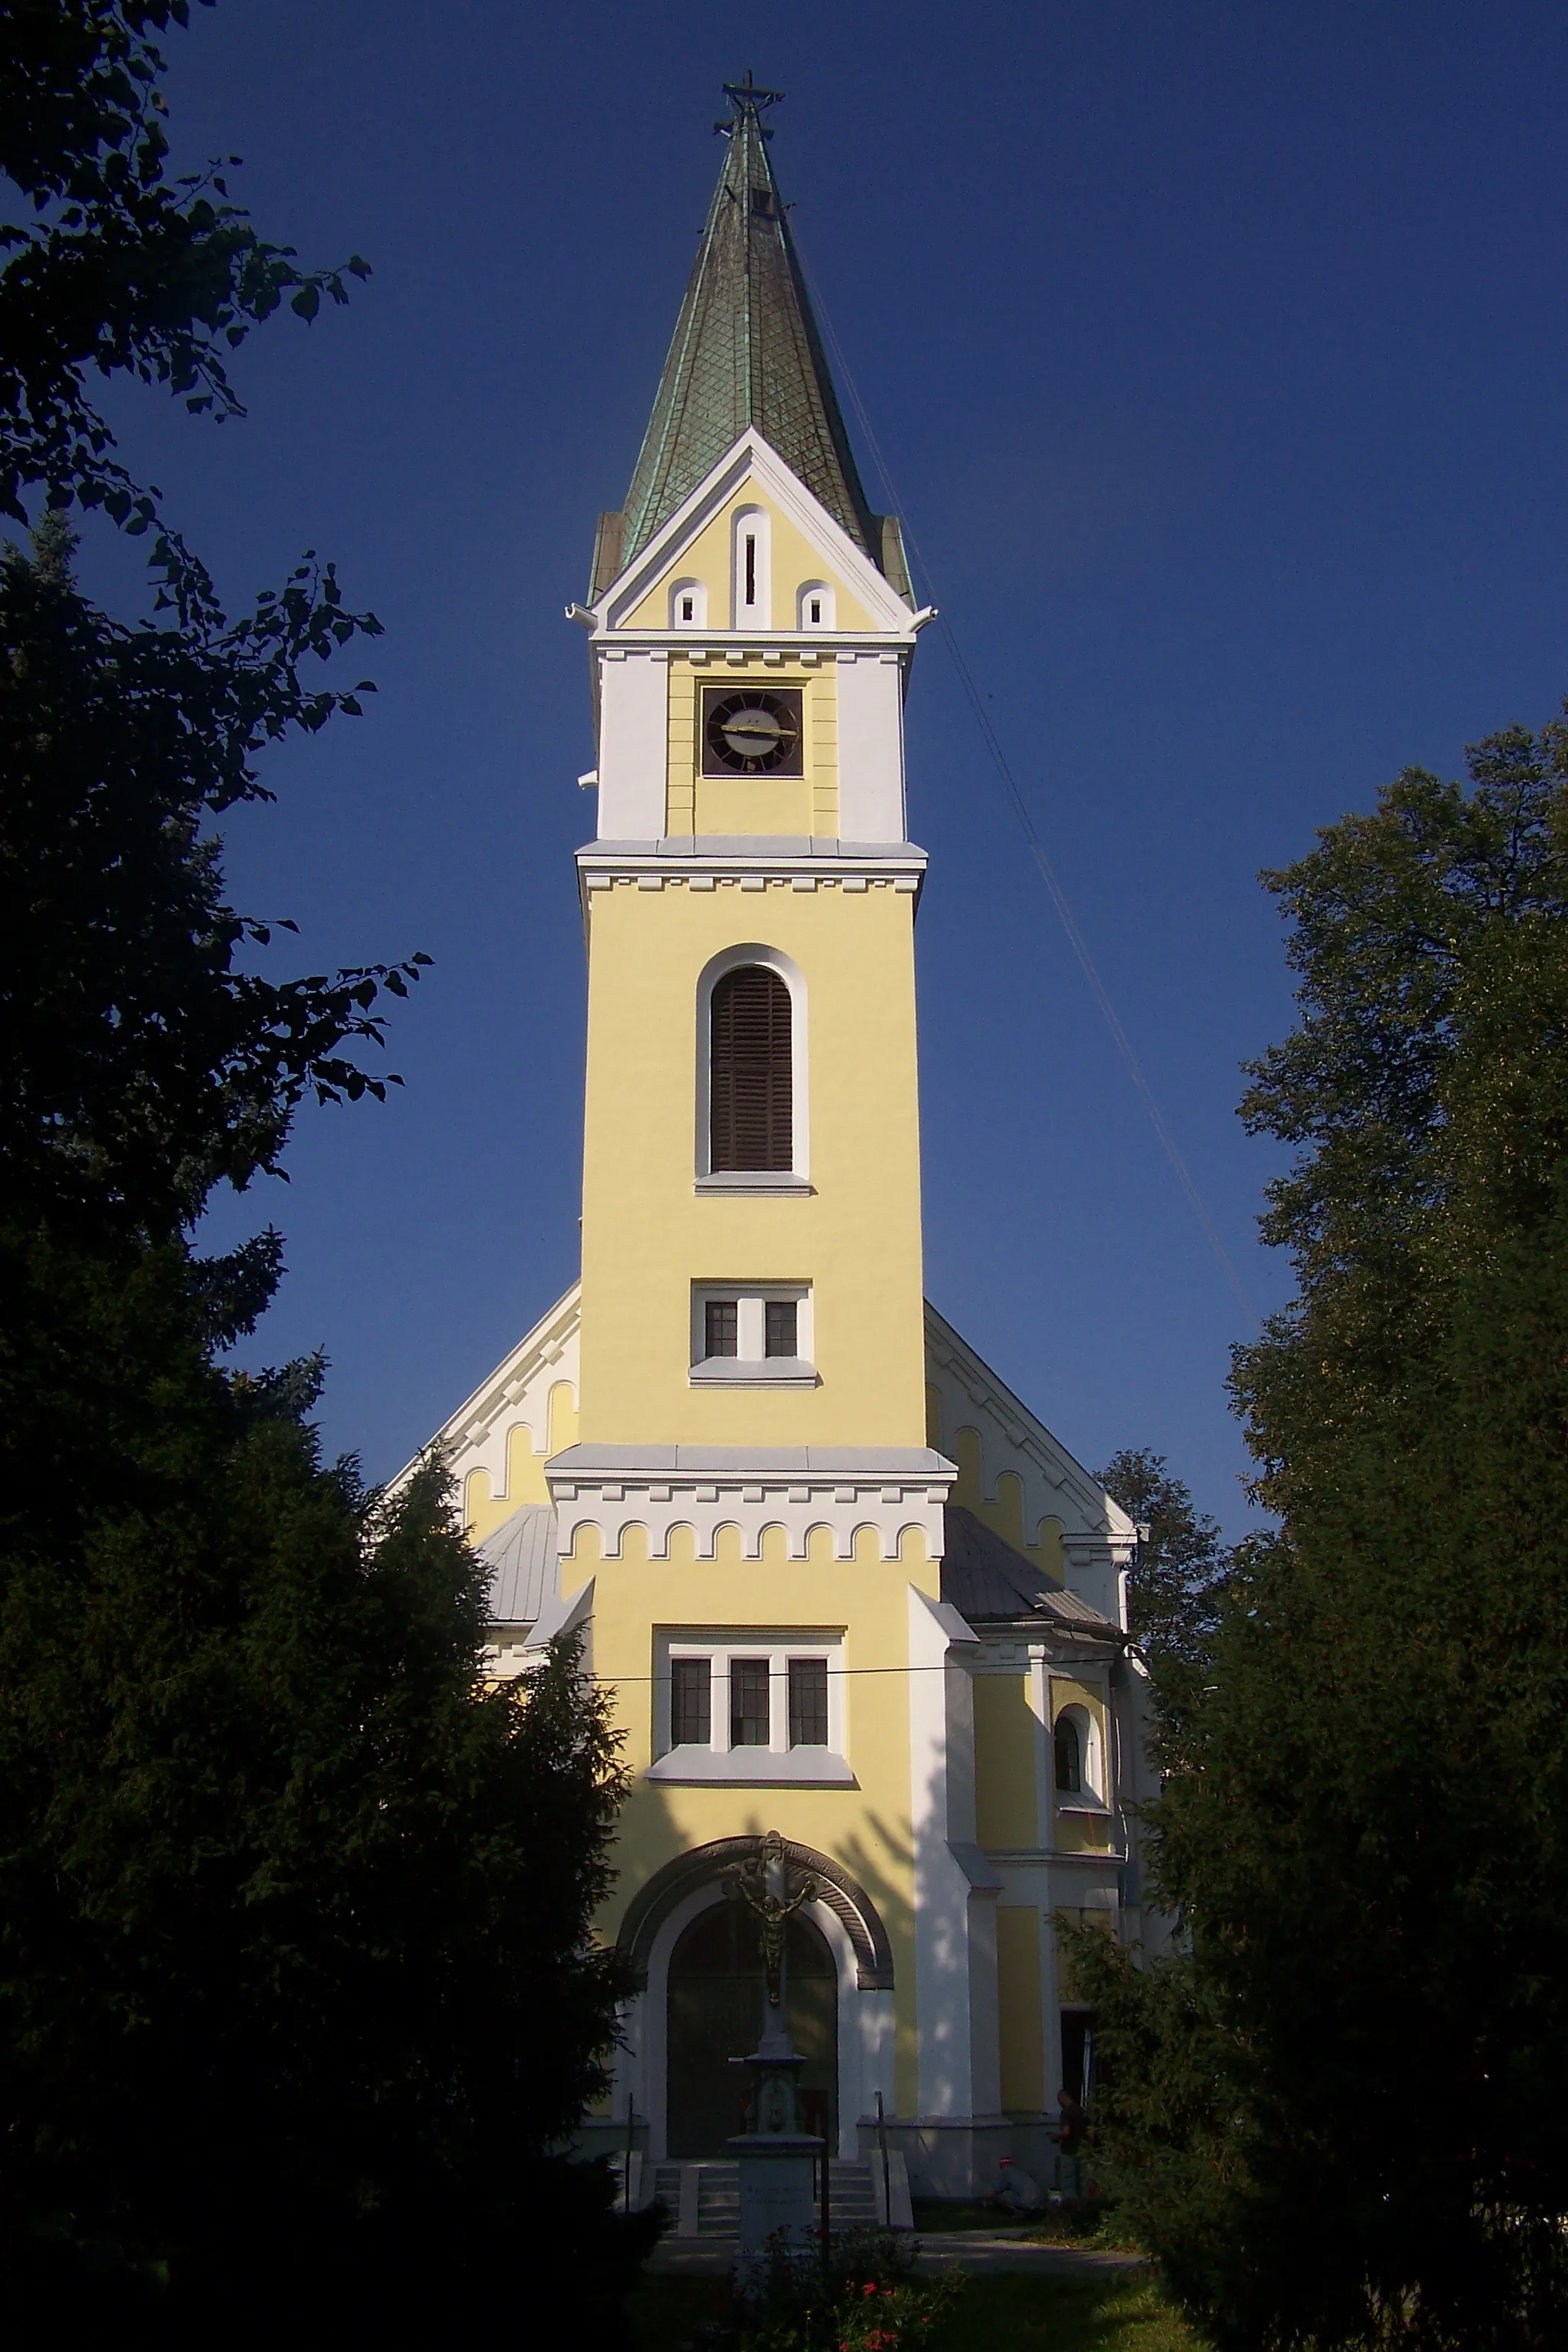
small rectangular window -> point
(749, 1724)
(750, 568)
(815, 610)
(779, 1329)
(689, 608)
(690, 1703)
(722, 1319)
(808, 1702)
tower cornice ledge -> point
(704, 645)
(917, 1465)
(751, 861)
(843, 1487)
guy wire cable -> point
(1020, 807)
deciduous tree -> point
(1178, 1570)
(1343, 2108)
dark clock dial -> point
(752, 733)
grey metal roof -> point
(983, 1577)
(524, 1566)
(746, 352)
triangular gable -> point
(498, 1441)
(1013, 1473)
(752, 461)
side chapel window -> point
(1068, 1757)
(749, 1076)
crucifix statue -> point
(756, 1881)
(764, 1882)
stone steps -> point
(704, 2197)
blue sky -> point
(1218, 355)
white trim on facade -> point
(884, 1496)
(1098, 1537)
(751, 569)
(721, 1646)
(871, 796)
(688, 604)
(752, 459)
(475, 1436)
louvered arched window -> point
(751, 1078)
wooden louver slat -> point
(750, 1073)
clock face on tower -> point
(751, 731)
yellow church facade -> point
(843, 1585)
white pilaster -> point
(871, 747)
(634, 742)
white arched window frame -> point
(815, 605)
(767, 1180)
(751, 599)
(1090, 1793)
(689, 604)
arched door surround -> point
(680, 1877)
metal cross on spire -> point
(750, 101)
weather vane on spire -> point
(749, 100)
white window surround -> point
(1091, 1797)
(684, 593)
(750, 524)
(751, 1366)
(796, 1180)
(815, 605)
(778, 1762)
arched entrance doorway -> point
(716, 1996)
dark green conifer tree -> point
(298, 1990)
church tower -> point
(751, 1191)
(858, 1608)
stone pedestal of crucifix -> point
(777, 2160)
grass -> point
(1077, 2225)
(934, 2213)
(1014, 2313)
(666, 2312)
(1004, 2313)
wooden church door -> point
(715, 2013)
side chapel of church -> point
(845, 1586)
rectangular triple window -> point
(765, 1695)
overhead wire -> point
(1025, 816)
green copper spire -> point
(746, 352)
